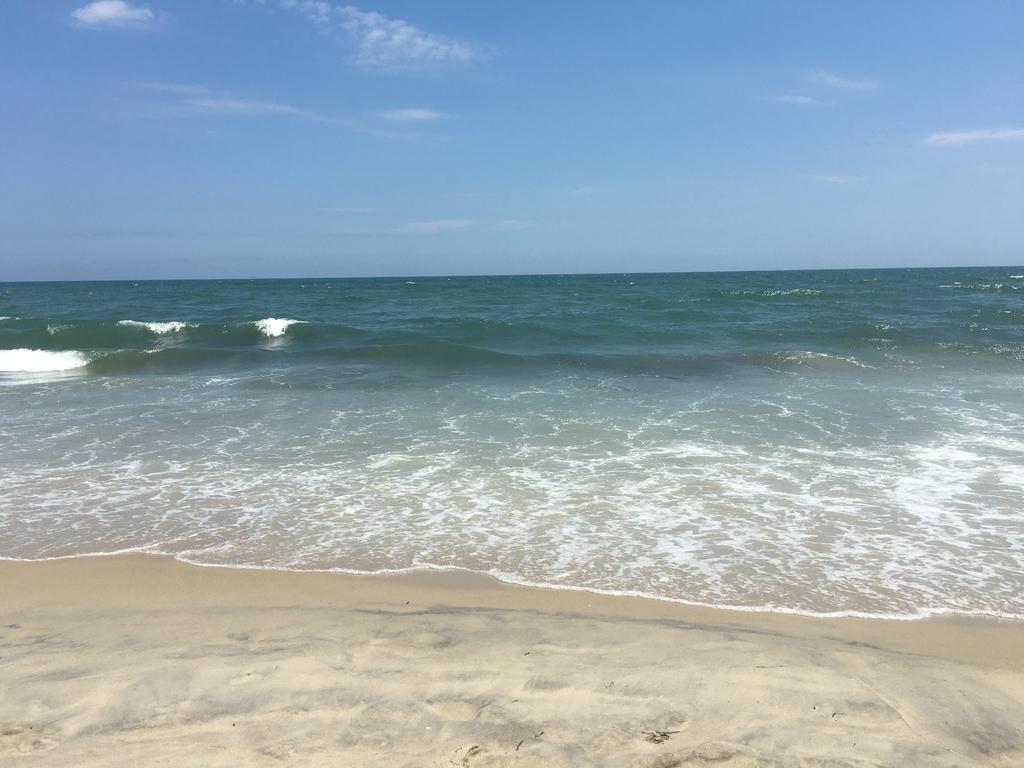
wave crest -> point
(275, 326)
(171, 326)
(40, 360)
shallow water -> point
(841, 441)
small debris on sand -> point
(657, 737)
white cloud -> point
(829, 178)
(795, 98)
(960, 138)
(181, 98)
(318, 11)
(217, 105)
(830, 80)
(436, 226)
(112, 13)
(381, 42)
(384, 43)
(411, 115)
(227, 105)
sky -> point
(275, 138)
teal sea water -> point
(819, 442)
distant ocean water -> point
(820, 442)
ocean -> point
(819, 442)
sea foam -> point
(172, 326)
(275, 326)
(39, 360)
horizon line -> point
(512, 274)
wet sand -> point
(145, 661)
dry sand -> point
(144, 661)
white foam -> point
(781, 495)
(804, 356)
(275, 326)
(1016, 277)
(39, 360)
(983, 286)
(771, 293)
(171, 326)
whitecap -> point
(772, 293)
(171, 326)
(40, 360)
(275, 326)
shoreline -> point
(144, 659)
(927, 614)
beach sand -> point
(145, 661)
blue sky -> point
(213, 138)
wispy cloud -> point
(381, 42)
(218, 105)
(181, 98)
(411, 115)
(797, 99)
(831, 80)
(384, 42)
(112, 13)
(831, 178)
(436, 226)
(960, 138)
